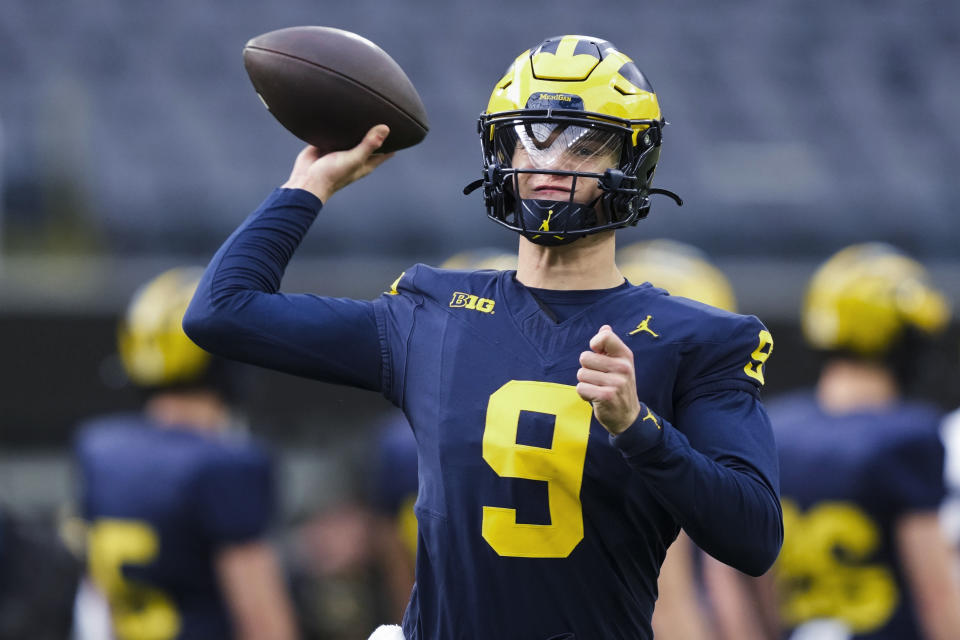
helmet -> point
(153, 347)
(865, 298)
(482, 258)
(573, 106)
(681, 269)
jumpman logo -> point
(645, 326)
(650, 416)
(545, 225)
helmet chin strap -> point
(554, 222)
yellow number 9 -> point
(560, 466)
(138, 611)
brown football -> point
(328, 87)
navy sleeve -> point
(235, 496)
(914, 472)
(731, 356)
(237, 311)
(719, 491)
(717, 470)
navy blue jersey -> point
(845, 481)
(533, 521)
(160, 503)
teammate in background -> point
(861, 470)
(568, 423)
(682, 270)
(177, 504)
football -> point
(329, 86)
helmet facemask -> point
(591, 175)
(573, 112)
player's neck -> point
(587, 263)
(200, 411)
(849, 385)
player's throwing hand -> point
(324, 175)
(606, 380)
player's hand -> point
(324, 175)
(606, 380)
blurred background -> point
(131, 141)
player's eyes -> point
(586, 150)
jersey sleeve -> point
(235, 496)
(914, 472)
(238, 311)
(717, 473)
(730, 355)
(396, 314)
(715, 468)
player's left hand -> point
(606, 380)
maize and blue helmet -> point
(867, 298)
(154, 350)
(572, 106)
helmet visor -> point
(558, 147)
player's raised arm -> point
(238, 311)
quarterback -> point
(568, 422)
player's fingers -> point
(600, 378)
(373, 140)
(606, 341)
(603, 362)
(591, 392)
(599, 340)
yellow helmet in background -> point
(153, 347)
(865, 297)
(482, 258)
(681, 269)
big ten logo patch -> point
(469, 301)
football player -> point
(177, 504)
(861, 469)
(568, 422)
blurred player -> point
(568, 423)
(682, 270)
(861, 470)
(177, 505)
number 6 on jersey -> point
(560, 466)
